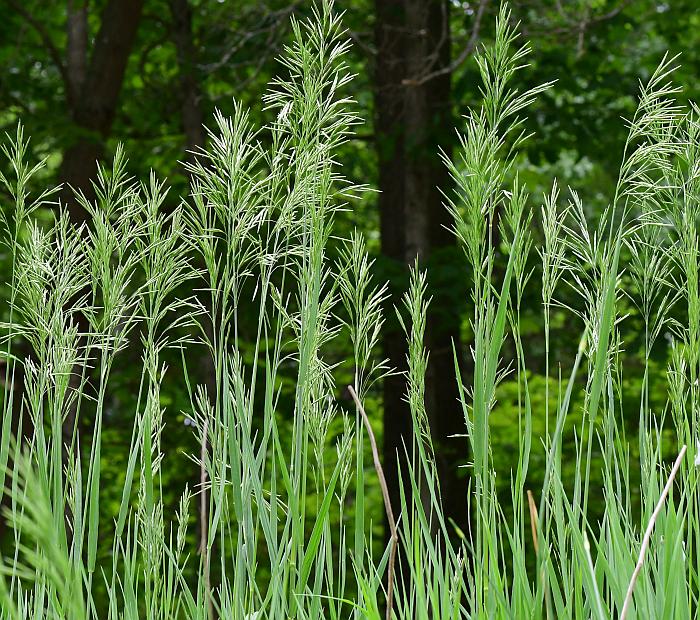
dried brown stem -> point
(647, 535)
(387, 504)
(533, 520)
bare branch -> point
(45, 37)
(358, 39)
(272, 23)
(464, 54)
(576, 27)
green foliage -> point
(244, 276)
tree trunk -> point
(76, 50)
(390, 138)
(192, 118)
(92, 95)
(96, 93)
(413, 120)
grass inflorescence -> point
(279, 513)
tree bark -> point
(413, 121)
(76, 50)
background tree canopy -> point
(86, 75)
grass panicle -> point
(244, 280)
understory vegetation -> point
(276, 526)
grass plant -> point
(276, 538)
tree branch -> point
(45, 37)
(464, 54)
(271, 23)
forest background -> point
(86, 75)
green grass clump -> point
(279, 512)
